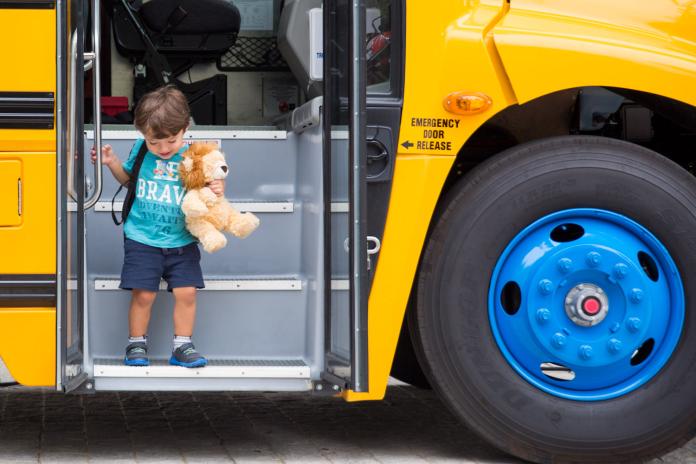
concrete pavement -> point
(409, 426)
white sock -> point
(179, 340)
(142, 338)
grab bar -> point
(72, 119)
(94, 58)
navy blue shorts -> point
(144, 266)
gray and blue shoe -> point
(136, 354)
(187, 356)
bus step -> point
(216, 368)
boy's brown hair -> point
(162, 113)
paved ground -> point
(410, 426)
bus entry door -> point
(346, 257)
(73, 63)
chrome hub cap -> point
(586, 304)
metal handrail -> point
(94, 58)
(72, 119)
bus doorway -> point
(283, 310)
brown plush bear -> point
(206, 213)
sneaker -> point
(187, 356)
(136, 354)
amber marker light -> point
(467, 103)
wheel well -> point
(664, 125)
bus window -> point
(378, 46)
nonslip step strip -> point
(235, 368)
(202, 135)
(222, 284)
(252, 207)
(336, 284)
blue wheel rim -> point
(540, 304)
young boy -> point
(157, 244)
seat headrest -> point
(191, 16)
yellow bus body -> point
(28, 240)
(28, 39)
(512, 52)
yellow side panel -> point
(513, 52)
(648, 46)
(450, 51)
(416, 188)
(30, 246)
(10, 192)
(28, 344)
(445, 52)
(28, 57)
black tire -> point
(480, 215)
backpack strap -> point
(130, 186)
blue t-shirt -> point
(156, 218)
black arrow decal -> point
(407, 144)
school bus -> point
(495, 198)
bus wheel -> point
(555, 301)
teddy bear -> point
(207, 214)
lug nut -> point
(585, 352)
(636, 295)
(620, 270)
(543, 315)
(545, 286)
(633, 324)
(593, 259)
(564, 265)
(558, 340)
(614, 345)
